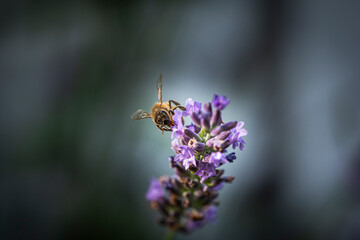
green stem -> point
(169, 235)
(207, 137)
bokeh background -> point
(74, 166)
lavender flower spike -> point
(187, 201)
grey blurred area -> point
(74, 166)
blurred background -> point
(73, 164)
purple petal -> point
(192, 106)
(210, 214)
(188, 161)
(155, 191)
(217, 158)
(220, 102)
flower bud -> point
(162, 209)
(191, 134)
(228, 126)
(172, 223)
(217, 186)
(231, 157)
(196, 215)
(196, 119)
(220, 121)
(219, 172)
(208, 108)
(174, 201)
(209, 199)
(226, 144)
(215, 118)
(185, 140)
(225, 127)
(186, 199)
(185, 203)
(219, 145)
(223, 135)
(228, 179)
(164, 180)
(154, 205)
(198, 146)
(192, 183)
(172, 161)
(176, 184)
(216, 131)
(167, 183)
(186, 194)
(210, 142)
(193, 168)
(213, 195)
(205, 123)
(200, 195)
(180, 171)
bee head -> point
(163, 118)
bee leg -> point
(181, 107)
(160, 128)
(174, 102)
(170, 101)
(177, 105)
(157, 125)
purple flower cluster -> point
(186, 201)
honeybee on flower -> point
(162, 112)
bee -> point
(161, 112)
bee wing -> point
(140, 114)
(159, 88)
